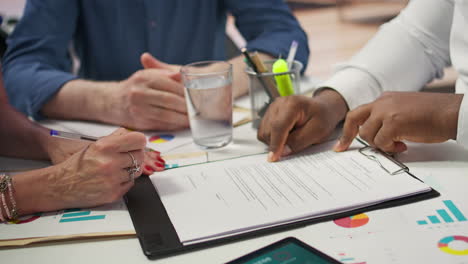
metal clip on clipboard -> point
(370, 153)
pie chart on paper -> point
(163, 138)
(352, 221)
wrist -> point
(334, 101)
(449, 117)
(31, 191)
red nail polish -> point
(159, 165)
(161, 160)
(148, 168)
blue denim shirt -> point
(109, 36)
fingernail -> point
(148, 168)
(286, 151)
(160, 168)
(270, 156)
(161, 160)
(337, 146)
(159, 165)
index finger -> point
(353, 120)
(126, 140)
(280, 127)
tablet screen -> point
(286, 251)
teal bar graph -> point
(434, 219)
(455, 211)
(84, 218)
(447, 216)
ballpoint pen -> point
(292, 53)
(76, 136)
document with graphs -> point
(225, 198)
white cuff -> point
(462, 129)
(355, 85)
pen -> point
(268, 80)
(68, 135)
(292, 53)
(75, 136)
(254, 67)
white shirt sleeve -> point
(462, 129)
(404, 55)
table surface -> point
(425, 160)
(331, 41)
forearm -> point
(241, 80)
(32, 193)
(335, 101)
(19, 137)
(81, 100)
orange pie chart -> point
(352, 221)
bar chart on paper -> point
(77, 215)
(450, 214)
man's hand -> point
(152, 98)
(398, 116)
(293, 123)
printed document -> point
(224, 198)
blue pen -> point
(75, 136)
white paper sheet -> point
(108, 218)
(238, 195)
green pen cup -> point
(259, 97)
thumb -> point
(148, 62)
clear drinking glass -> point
(208, 93)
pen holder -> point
(258, 87)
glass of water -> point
(208, 93)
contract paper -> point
(214, 200)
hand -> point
(95, 175)
(152, 98)
(153, 162)
(398, 116)
(293, 123)
(60, 149)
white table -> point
(445, 161)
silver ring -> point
(135, 168)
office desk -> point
(444, 166)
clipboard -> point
(158, 237)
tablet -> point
(286, 251)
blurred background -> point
(336, 29)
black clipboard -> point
(158, 237)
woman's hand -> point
(97, 174)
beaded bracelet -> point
(5, 184)
(2, 219)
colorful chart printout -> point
(353, 221)
(444, 245)
(161, 138)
